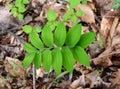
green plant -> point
(55, 46)
(59, 53)
(116, 4)
(18, 8)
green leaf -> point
(115, 6)
(60, 34)
(61, 75)
(27, 29)
(29, 48)
(57, 60)
(81, 56)
(38, 29)
(35, 40)
(14, 11)
(37, 60)
(86, 39)
(74, 3)
(47, 59)
(20, 16)
(47, 36)
(68, 15)
(25, 1)
(18, 3)
(74, 20)
(117, 1)
(79, 13)
(73, 35)
(68, 60)
(52, 25)
(28, 59)
(51, 15)
(21, 9)
(84, 1)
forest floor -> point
(104, 52)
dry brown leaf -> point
(88, 16)
(109, 20)
(104, 59)
(1, 0)
(14, 67)
(35, 2)
(91, 4)
(4, 84)
(82, 69)
(103, 6)
(77, 83)
(116, 41)
(5, 15)
(115, 79)
(94, 50)
(40, 72)
(96, 80)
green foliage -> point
(60, 34)
(59, 55)
(79, 13)
(37, 60)
(116, 4)
(29, 48)
(84, 1)
(57, 60)
(68, 60)
(35, 40)
(47, 36)
(28, 59)
(54, 45)
(51, 15)
(73, 35)
(47, 59)
(27, 29)
(81, 56)
(84, 41)
(18, 8)
(74, 3)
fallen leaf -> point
(88, 13)
(14, 67)
(77, 83)
(96, 81)
(82, 69)
(104, 59)
(115, 79)
(106, 25)
(103, 6)
(4, 84)
(5, 15)
(40, 72)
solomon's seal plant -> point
(55, 46)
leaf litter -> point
(104, 52)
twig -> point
(113, 53)
(34, 72)
(9, 32)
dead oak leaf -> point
(106, 24)
(77, 83)
(104, 59)
(96, 80)
(88, 15)
(115, 79)
(14, 67)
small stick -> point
(113, 53)
(34, 72)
